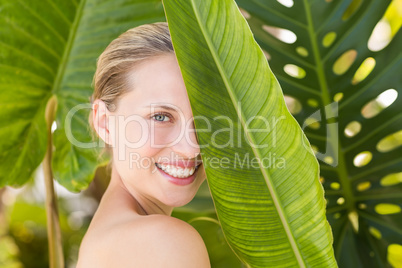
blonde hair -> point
(121, 56)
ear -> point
(100, 119)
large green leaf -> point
(271, 215)
(363, 226)
(50, 48)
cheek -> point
(167, 136)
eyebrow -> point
(163, 107)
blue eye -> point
(161, 117)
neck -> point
(142, 205)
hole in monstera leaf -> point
(386, 28)
(328, 39)
(283, 35)
(329, 160)
(312, 123)
(394, 255)
(315, 149)
(380, 37)
(338, 96)
(335, 186)
(245, 13)
(362, 159)
(352, 8)
(362, 206)
(343, 63)
(391, 179)
(377, 105)
(390, 142)
(354, 220)
(386, 209)
(340, 201)
(266, 54)
(375, 232)
(352, 129)
(364, 70)
(312, 103)
(294, 71)
(363, 186)
(293, 104)
(286, 3)
(302, 51)
(337, 215)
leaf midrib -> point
(326, 100)
(69, 45)
(271, 189)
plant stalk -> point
(56, 259)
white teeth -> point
(177, 172)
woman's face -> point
(153, 137)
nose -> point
(187, 147)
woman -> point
(142, 112)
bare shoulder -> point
(150, 241)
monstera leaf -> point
(261, 171)
(49, 48)
(318, 50)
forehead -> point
(156, 81)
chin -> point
(176, 201)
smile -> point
(176, 171)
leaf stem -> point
(56, 259)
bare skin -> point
(132, 226)
(121, 234)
